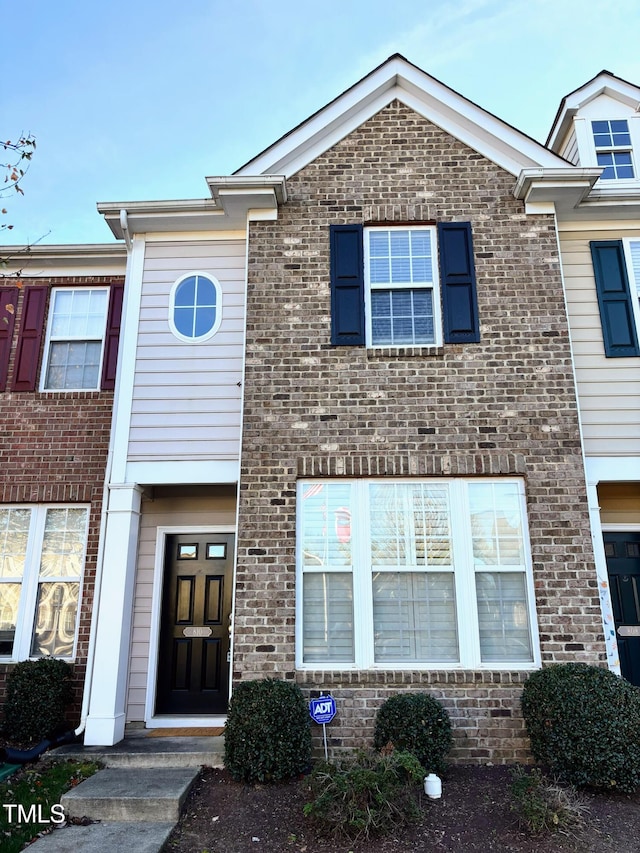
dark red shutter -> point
(31, 331)
(8, 306)
(614, 299)
(458, 283)
(347, 285)
(112, 336)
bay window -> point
(421, 574)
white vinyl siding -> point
(569, 149)
(186, 395)
(608, 388)
(420, 574)
(200, 507)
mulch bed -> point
(223, 816)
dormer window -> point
(613, 149)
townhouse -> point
(345, 445)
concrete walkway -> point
(137, 799)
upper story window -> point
(195, 308)
(401, 287)
(75, 338)
(42, 554)
(613, 149)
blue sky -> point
(140, 100)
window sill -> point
(377, 353)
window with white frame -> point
(42, 554)
(613, 149)
(75, 339)
(402, 286)
(195, 307)
(423, 574)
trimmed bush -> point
(38, 693)
(365, 794)
(584, 725)
(267, 737)
(415, 723)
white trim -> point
(167, 722)
(127, 351)
(218, 307)
(152, 720)
(195, 236)
(433, 286)
(196, 472)
(631, 527)
(612, 469)
(397, 78)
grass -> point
(30, 800)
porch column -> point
(611, 642)
(106, 718)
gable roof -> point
(397, 78)
(604, 83)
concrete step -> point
(105, 838)
(131, 794)
(147, 752)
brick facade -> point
(504, 406)
(54, 450)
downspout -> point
(91, 651)
(124, 225)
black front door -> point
(193, 660)
(623, 564)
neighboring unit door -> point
(194, 651)
(623, 564)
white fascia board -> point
(151, 216)
(65, 260)
(225, 211)
(566, 187)
(201, 472)
(463, 119)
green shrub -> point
(543, 805)
(38, 693)
(584, 725)
(365, 794)
(415, 723)
(267, 737)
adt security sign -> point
(322, 710)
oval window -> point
(195, 307)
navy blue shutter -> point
(614, 299)
(458, 283)
(347, 285)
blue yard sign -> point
(322, 710)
